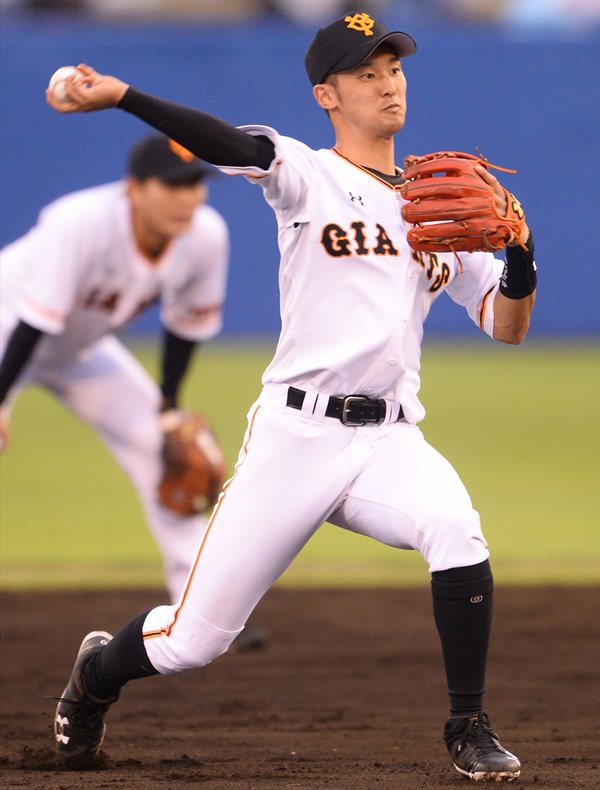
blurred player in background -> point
(93, 262)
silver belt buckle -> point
(346, 407)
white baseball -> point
(57, 82)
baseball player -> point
(334, 434)
(93, 262)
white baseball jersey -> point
(78, 274)
(354, 296)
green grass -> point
(521, 425)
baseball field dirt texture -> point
(348, 694)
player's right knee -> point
(191, 642)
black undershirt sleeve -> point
(176, 356)
(18, 351)
(208, 137)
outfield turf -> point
(521, 425)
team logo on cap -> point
(361, 22)
(180, 151)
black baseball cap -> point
(157, 156)
(347, 42)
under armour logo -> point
(59, 729)
(356, 198)
(361, 22)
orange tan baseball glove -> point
(452, 208)
(194, 464)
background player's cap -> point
(345, 43)
(156, 156)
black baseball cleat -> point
(477, 752)
(79, 721)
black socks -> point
(462, 609)
(124, 658)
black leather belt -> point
(351, 410)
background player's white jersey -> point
(354, 296)
(78, 274)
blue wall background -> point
(528, 103)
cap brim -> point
(185, 175)
(403, 45)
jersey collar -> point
(392, 182)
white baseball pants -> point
(295, 471)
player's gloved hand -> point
(194, 463)
(501, 198)
(455, 204)
(87, 91)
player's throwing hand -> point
(92, 91)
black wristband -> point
(519, 276)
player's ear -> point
(325, 96)
(134, 189)
(131, 185)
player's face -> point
(162, 209)
(372, 97)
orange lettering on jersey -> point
(96, 300)
(180, 151)
(441, 279)
(384, 243)
(359, 238)
(335, 241)
(434, 270)
(361, 22)
(339, 242)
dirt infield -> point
(348, 695)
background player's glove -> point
(194, 464)
(453, 208)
